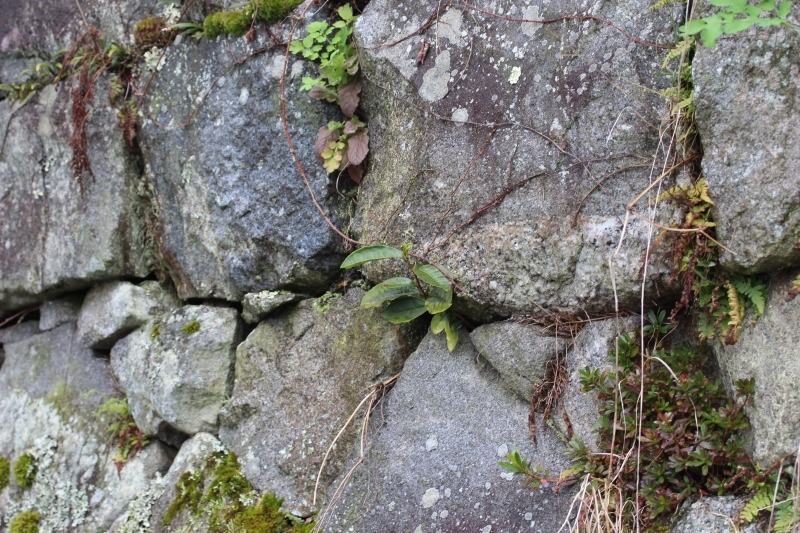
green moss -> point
(229, 502)
(235, 23)
(155, 332)
(275, 10)
(25, 470)
(5, 472)
(191, 327)
(151, 32)
(27, 522)
(326, 301)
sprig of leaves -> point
(343, 146)
(125, 435)
(427, 291)
(737, 16)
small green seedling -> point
(428, 292)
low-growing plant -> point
(25, 470)
(126, 436)
(5, 472)
(240, 22)
(775, 501)
(737, 16)
(427, 291)
(32, 80)
(340, 145)
(25, 522)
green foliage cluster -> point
(429, 291)
(777, 498)
(5, 472)
(340, 145)
(238, 23)
(25, 522)
(125, 435)
(534, 476)
(152, 31)
(222, 496)
(722, 299)
(25, 470)
(32, 80)
(689, 429)
(191, 327)
(737, 16)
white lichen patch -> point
(516, 72)
(449, 26)
(430, 498)
(434, 82)
(137, 518)
(530, 13)
(460, 116)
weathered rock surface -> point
(432, 465)
(19, 332)
(258, 306)
(591, 349)
(713, 514)
(769, 351)
(299, 376)
(53, 313)
(177, 370)
(746, 93)
(519, 352)
(112, 310)
(50, 389)
(235, 214)
(56, 237)
(533, 116)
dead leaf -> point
(348, 97)
(358, 147)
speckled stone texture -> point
(432, 453)
(558, 119)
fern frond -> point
(787, 516)
(760, 500)
(754, 291)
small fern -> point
(754, 291)
(761, 500)
(787, 516)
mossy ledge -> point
(25, 470)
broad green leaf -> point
(371, 253)
(767, 5)
(710, 35)
(346, 12)
(439, 300)
(390, 289)
(438, 322)
(404, 309)
(451, 327)
(784, 9)
(432, 276)
(737, 25)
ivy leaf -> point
(358, 147)
(348, 97)
(432, 276)
(404, 309)
(371, 253)
(439, 300)
(391, 289)
(325, 136)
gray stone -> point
(556, 93)
(123, 486)
(769, 351)
(177, 370)
(50, 390)
(299, 376)
(235, 214)
(591, 349)
(57, 237)
(53, 313)
(519, 352)
(258, 306)
(112, 310)
(458, 486)
(746, 89)
(714, 514)
(19, 332)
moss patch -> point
(191, 327)
(275, 10)
(152, 31)
(27, 522)
(5, 472)
(25, 470)
(228, 502)
(235, 23)
(155, 332)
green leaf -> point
(439, 300)
(710, 35)
(694, 26)
(346, 13)
(432, 276)
(371, 253)
(784, 9)
(391, 289)
(767, 5)
(451, 328)
(737, 25)
(404, 309)
(438, 323)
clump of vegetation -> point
(239, 23)
(429, 291)
(738, 16)
(25, 522)
(191, 327)
(126, 436)
(25, 470)
(5, 472)
(155, 332)
(32, 80)
(340, 145)
(776, 502)
(228, 502)
(274, 10)
(152, 31)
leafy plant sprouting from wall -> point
(427, 291)
(121, 427)
(340, 145)
(737, 16)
